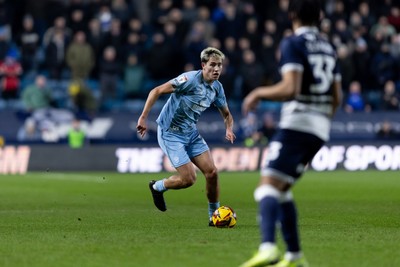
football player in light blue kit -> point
(311, 87)
(191, 93)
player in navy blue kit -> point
(311, 90)
(191, 94)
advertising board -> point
(150, 159)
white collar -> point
(304, 29)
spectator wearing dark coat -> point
(80, 57)
(55, 56)
(28, 42)
(110, 72)
(251, 72)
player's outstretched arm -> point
(284, 90)
(154, 94)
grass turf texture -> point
(108, 219)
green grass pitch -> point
(108, 219)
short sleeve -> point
(291, 58)
(179, 82)
(220, 100)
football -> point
(224, 217)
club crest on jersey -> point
(182, 79)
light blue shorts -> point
(181, 147)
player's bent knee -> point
(188, 181)
(212, 175)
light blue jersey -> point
(192, 96)
(177, 135)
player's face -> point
(212, 69)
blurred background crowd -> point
(90, 56)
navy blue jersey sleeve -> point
(291, 57)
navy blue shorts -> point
(288, 154)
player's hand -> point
(230, 136)
(141, 127)
(250, 103)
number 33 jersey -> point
(309, 53)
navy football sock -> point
(288, 218)
(269, 211)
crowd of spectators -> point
(107, 52)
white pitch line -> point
(73, 177)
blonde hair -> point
(211, 52)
